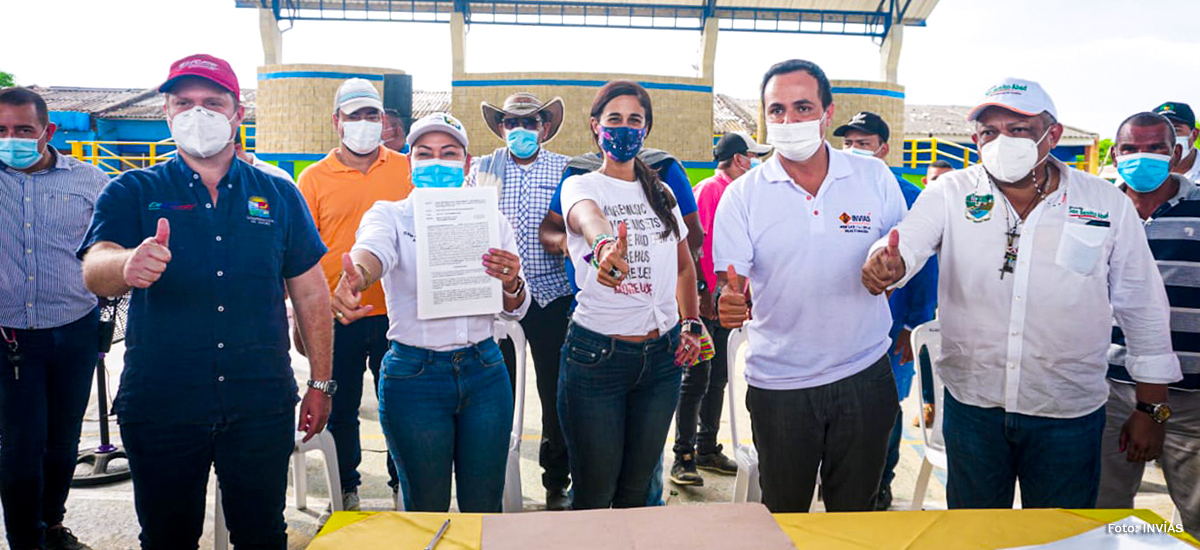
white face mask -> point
(201, 133)
(797, 141)
(362, 136)
(1009, 159)
(1186, 143)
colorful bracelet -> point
(593, 257)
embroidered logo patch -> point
(855, 223)
(979, 207)
(173, 206)
(259, 208)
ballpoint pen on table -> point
(438, 536)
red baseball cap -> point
(204, 66)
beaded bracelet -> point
(593, 257)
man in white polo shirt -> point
(1036, 258)
(821, 388)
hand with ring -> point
(613, 266)
(688, 350)
(347, 296)
(503, 265)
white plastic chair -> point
(513, 499)
(746, 485)
(322, 442)
(929, 336)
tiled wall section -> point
(683, 111)
(295, 105)
(882, 98)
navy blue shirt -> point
(208, 340)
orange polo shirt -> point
(338, 196)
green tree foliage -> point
(6, 79)
(1105, 145)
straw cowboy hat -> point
(523, 104)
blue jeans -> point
(170, 464)
(363, 342)
(615, 403)
(443, 411)
(1056, 460)
(41, 412)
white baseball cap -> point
(356, 93)
(437, 122)
(1024, 97)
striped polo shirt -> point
(43, 217)
(1174, 234)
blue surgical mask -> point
(1144, 172)
(20, 153)
(621, 143)
(755, 162)
(438, 173)
(861, 152)
(521, 142)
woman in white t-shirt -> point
(620, 373)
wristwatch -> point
(1160, 412)
(693, 326)
(327, 387)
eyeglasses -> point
(528, 123)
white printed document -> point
(455, 228)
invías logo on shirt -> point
(174, 206)
(855, 223)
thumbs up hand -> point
(149, 260)
(613, 268)
(884, 267)
(347, 296)
(732, 308)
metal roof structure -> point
(873, 18)
(147, 104)
(949, 122)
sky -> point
(1100, 60)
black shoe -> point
(683, 471)
(558, 499)
(883, 501)
(716, 462)
(61, 538)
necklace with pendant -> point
(1015, 222)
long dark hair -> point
(661, 200)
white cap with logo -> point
(1024, 97)
(356, 93)
(437, 122)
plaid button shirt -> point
(525, 199)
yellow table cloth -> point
(939, 529)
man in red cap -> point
(208, 381)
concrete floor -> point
(104, 517)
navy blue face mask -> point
(622, 143)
